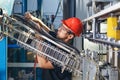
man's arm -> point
(43, 63)
(31, 17)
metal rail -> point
(104, 12)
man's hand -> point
(41, 24)
(29, 16)
(44, 63)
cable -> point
(57, 10)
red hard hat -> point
(74, 24)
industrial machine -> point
(109, 39)
(26, 38)
(6, 8)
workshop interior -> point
(98, 57)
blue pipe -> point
(3, 60)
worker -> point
(69, 29)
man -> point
(70, 28)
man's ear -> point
(71, 36)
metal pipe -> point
(103, 12)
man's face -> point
(63, 32)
